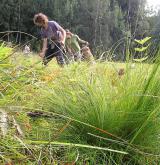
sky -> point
(154, 3)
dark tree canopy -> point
(101, 22)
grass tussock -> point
(89, 114)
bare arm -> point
(63, 35)
(82, 41)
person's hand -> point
(87, 43)
(63, 42)
(41, 54)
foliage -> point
(107, 109)
(84, 113)
(142, 48)
(4, 52)
(101, 22)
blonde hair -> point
(40, 18)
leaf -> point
(141, 59)
(141, 49)
(5, 65)
(143, 41)
(75, 145)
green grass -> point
(99, 102)
(93, 115)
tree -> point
(104, 23)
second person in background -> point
(73, 46)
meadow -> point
(106, 113)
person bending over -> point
(53, 36)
